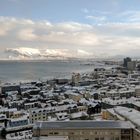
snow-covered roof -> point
(120, 101)
(129, 113)
(78, 114)
(54, 108)
(24, 117)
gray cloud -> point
(66, 39)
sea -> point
(19, 71)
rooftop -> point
(129, 113)
(84, 124)
(51, 138)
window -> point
(125, 138)
(45, 135)
(71, 133)
(56, 133)
(112, 138)
(95, 132)
(51, 133)
(117, 138)
(111, 133)
(125, 131)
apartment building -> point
(42, 114)
(86, 130)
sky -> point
(38, 29)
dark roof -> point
(83, 124)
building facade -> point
(86, 130)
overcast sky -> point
(79, 28)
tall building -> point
(126, 60)
(76, 77)
(131, 65)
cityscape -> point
(69, 70)
(103, 104)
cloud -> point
(67, 39)
(79, 39)
(130, 16)
(72, 27)
(27, 34)
(85, 10)
(5, 26)
(83, 53)
(67, 33)
(100, 12)
(3, 31)
(97, 18)
(134, 17)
